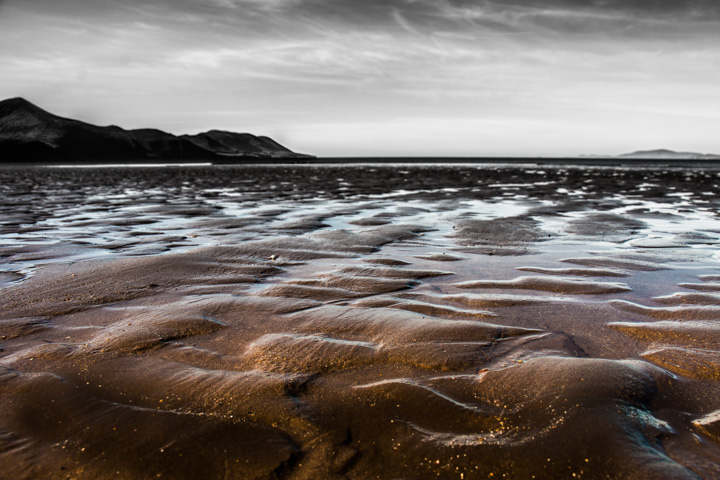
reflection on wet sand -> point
(359, 322)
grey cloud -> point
(614, 19)
(639, 18)
(648, 7)
(248, 18)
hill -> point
(30, 134)
(663, 154)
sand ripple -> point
(691, 312)
(549, 284)
(295, 323)
(704, 334)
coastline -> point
(530, 161)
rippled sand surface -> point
(357, 322)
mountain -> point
(229, 143)
(31, 134)
(24, 126)
(663, 154)
(165, 145)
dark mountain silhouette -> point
(31, 134)
(23, 124)
(230, 143)
(165, 145)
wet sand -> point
(357, 322)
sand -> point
(305, 322)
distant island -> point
(658, 154)
(29, 134)
(663, 154)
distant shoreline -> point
(517, 161)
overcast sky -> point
(372, 77)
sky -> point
(380, 78)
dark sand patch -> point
(303, 224)
(387, 325)
(370, 239)
(486, 300)
(284, 252)
(14, 328)
(617, 263)
(68, 288)
(7, 278)
(693, 334)
(549, 284)
(709, 425)
(710, 278)
(702, 312)
(308, 291)
(37, 251)
(363, 285)
(308, 353)
(225, 223)
(149, 330)
(440, 257)
(701, 287)
(657, 243)
(644, 212)
(370, 222)
(608, 226)
(394, 262)
(381, 272)
(223, 305)
(326, 244)
(683, 298)
(421, 307)
(263, 396)
(697, 363)
(500, 236)
(577, 272)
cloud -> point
(267, 5)
(248, 19)
(580, 19)
(466, 64)
(403, 23)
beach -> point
(360, 321)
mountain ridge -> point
(30, 134)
